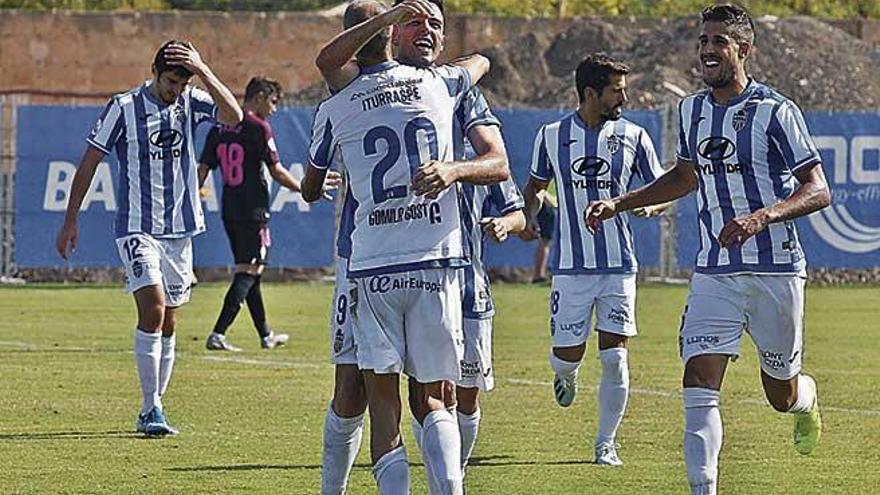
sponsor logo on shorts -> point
(382, 284)
(177, 290)
(470, 369)
(619, 316)
(576, 329)
(338, 340)
(552, 326)
(703, 341)
(777, 360)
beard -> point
(613, 113)
(724, 78)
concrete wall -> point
(103, 53)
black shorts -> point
(546, 221)
(249, 241)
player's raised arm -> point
(477, 66)
(364, 20)
(185, 55)
(68, 234)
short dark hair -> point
(736, 18)
(161, 65)
(595, 71)
(262, 84)
(438, 3)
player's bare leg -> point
(613, 395)
(150, 301)
(703, 431)
(390, 466)
(431, 405)
(343, 428)
(565, 362)
(799, 396)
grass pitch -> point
(252, 422)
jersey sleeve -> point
(682, 152)
(457, 79)
(647, 165)
(270, 149)
(202, 106)
(323, 143)
(540, 168)
(506, 197)
(209, 151)
(474, 110)
(109, 127)
(788, 131)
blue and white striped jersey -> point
(589, 164)
(382, 127)
(479, 202)
(154, 142)
(744, 154)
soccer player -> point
(151, 128)
(474, 119)
(592, 154)
(241, 152)
(746, 151)
(392, 128)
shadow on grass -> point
(63, 435)
(487, 461)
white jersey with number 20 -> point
(384, 125)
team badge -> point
(739, 120)
(613, 143)
(137, 269)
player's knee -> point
(781, 403)
(703, 372)
(151, 318)
(349, 394)
(468, 400)
(571, 354)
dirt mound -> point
(819, 66)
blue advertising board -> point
(51, 140)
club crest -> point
(613, 143)
(739, 120)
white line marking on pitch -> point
(261, 362)
(676, 395)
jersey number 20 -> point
(392, 154)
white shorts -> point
(574, 298)
(476, 365)
(410, 322)
(342, 347)
(165, 262)
(769, 307)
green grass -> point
(69, 394)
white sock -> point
(806, 394)
(613, 392)
(147, 351)
(342, 440)
(392, 473)
(562, 367)
(468, 427)
(433, 489)
(441, 448)
(703, 435)
(166, 363)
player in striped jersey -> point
(746, 151)
(410, 278)
(593, 154)
(151, 129)
(344, 414)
